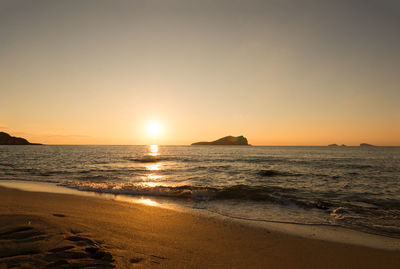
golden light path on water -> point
(153, 167)
(149, 180)
(154, 177)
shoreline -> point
(328, 233)
(147, 236)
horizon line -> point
(251, 145)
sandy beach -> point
(64, 231)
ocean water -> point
(351, 187)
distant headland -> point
(226, 141)
(6, 139)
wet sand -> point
(63, 231)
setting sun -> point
(154, 129)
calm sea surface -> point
(352, 187)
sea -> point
(356, 188)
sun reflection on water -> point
(153, 150)
(153, 167)
(147, 202)
(150, 184)
(154, 177)
(151, 177)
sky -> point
(280, 72)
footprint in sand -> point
(31, 247)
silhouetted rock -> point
(366, 145)
(6, 139)
(336, 145)
(226, 141)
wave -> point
(7, 165)
(269, 194)
(382, 230)
(274, 173)
(196, 193)
(357, 166)
(148, 159)
(97, 177)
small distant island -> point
(343, 145)
(6, 139)
(225, 141)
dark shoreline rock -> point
(226, 141)
(6, 139)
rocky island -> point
(366, 145)
(226, 141)
(6, 139)
(336, 145)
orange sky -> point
(278, 72)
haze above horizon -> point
(280, 72)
